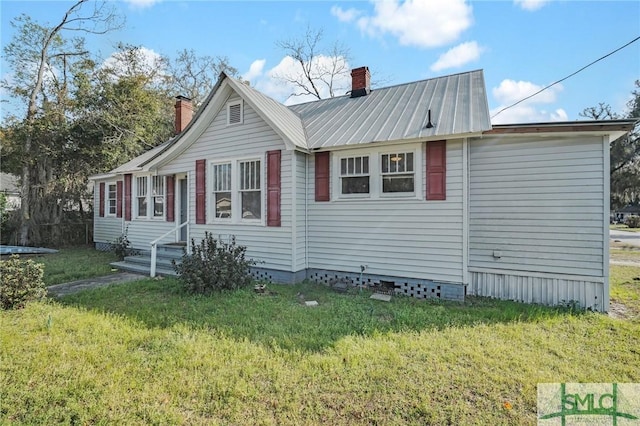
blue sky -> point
(521, 45)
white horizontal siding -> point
(539, 202)
(300, 239)
(141, 232)
(107, 228)
(403, 238)
(546, 290)
(271, 246)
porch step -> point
(142, 269)
(141, 262)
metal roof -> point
(458, 105)
(283, 120)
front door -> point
(184, 207)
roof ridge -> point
(391, 87)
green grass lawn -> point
(77, 263)
(145, 353)
(622, 227)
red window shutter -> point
(322, 176)
(170, 198)
(101, 200)
(273, 188)
(119, 198)
(127, 197)
(437, 170)
(201, 192)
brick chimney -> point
(184, 113)
(360, 82)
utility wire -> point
(563, 79)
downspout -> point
(465, 212)
(606, 207)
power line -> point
(563, 79)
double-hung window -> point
(111, 199)
(397, 172)
(222, 190)
(141, 195)
(354, 175)
(157, 193)
(237, 190)
(378, 173)
(250, 194)
(150, 192)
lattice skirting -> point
(418, 288)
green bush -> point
(633, 221)
(214, 265)
(20, 282)
(121, 247)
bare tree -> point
(320, 70)
(194, 76)
(31, 54)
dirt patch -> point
(619, 311)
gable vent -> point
(235, 113)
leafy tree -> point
(42, 61)
(83, 115)
(124, 108)
(624, 152)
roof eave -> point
(194, 127)
(598, 126)
(432, 138)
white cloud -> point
(526, 113)
(255, 70)
(458, 56)
(348, 15)
(269, 83)
(531, 5)
(511, 91)
(529, 111)
(141, 4)
(422, 23)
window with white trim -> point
(141, 196)
(157, 195)
(235, 112)
(397, 172)
(354, 175)
(237, 190)
(378, 172)
(111, 199)
(250, 194)
(222, 190)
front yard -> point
(145, 353)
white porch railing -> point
(154, 247)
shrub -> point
(121, 247)
(633, 221)
(20, 282)
(214, 265)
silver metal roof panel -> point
(458, 105)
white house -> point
(408, 185)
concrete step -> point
(141, 262)
(173, 249)
(143, 269)
(164, 262)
